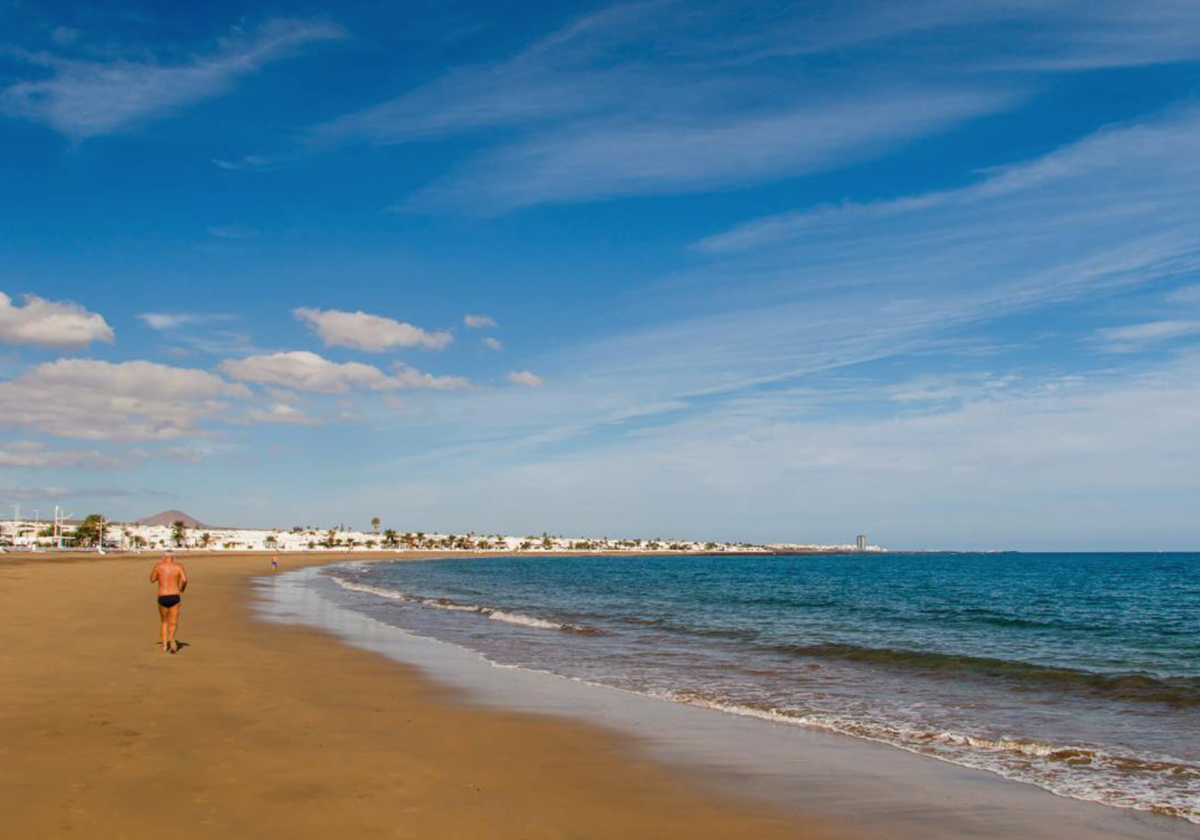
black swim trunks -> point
(168, 601)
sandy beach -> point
(264, 730)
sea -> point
(1078, 673)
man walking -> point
(172, 579)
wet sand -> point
(268, 730)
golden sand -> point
(258, 730)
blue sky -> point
(763, 271)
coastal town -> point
(176, 530)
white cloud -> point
(372, 333)
(44, 323)
(281, 413)
(1132, 337)
(163, 321)
(33, 455)
(492, 343)
(524, 377)
(407, 377)
(305, 371)
(476, 322)
(50, 495)
(194, 453)
(1185, 294)
(941, 388)
(166, 320)
(94, 400)
(25, 446)
(85, 98)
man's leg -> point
(172, 623)
(163, 612)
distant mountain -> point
(170, 517)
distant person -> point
(172, 579)
(274, 564)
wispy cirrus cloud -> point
(690, 152)
(795, 296)
(1025, 35)
(671, 97)
(51, 494)
(587, 120)
(1110, 211)
(1185, 294)
(165, 321)
(88, 97)
(579, 68)
(34, 455)
(208, 333)
(1130, 338)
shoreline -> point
(257, 729)
(853, 781)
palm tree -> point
(375, 524)
(178, 532)
(87, 532)
(389, 537)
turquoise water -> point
(1079, 673)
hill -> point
(170, 517)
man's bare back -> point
(172, 579)
(170, 576)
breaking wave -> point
(492, 613)
(1140, 782)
